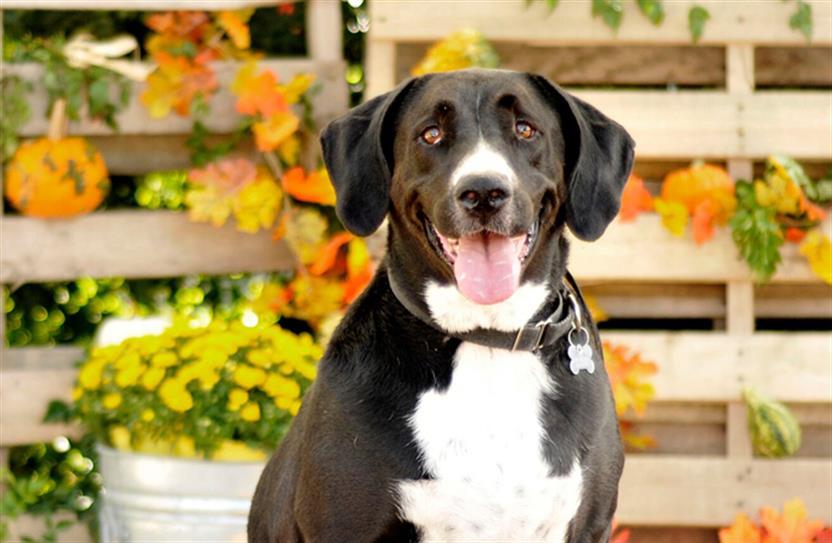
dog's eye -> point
(432, 135)
(524, 130)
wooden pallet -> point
(731, 99)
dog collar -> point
(561, 316)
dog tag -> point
(580, 356)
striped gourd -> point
(775, 432)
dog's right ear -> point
(358, 152)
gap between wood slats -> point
(572, 24)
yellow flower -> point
(282, 402)
(77, 392)
(112, 400)
(152, 378)
(674, 216)
(175, 396)
(148, 415)
(129, 376)
(237, 451)
(129, 360)
(817, 248)
(276, 386)
(236, 398)
(294, 407)
(120, 438)
(250, 412)
(90, 375)
(164, 359)
(249, 377)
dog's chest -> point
(481, 441)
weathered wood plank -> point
(136, 244)
(572, 24)
(134, 119)
(793, 66)
(709, 491)
(643, 251)
(714, 367)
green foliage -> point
(14, 112)
(801, 19)
(49, 478)
(610, 11)
(653, 10)
(203, 152)
(756, 232)
(697, 17)
(816, 191)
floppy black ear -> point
(359, 161)
(599, 157)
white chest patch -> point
(481, 440)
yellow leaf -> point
(674, 216)
(817, 248)
(256, 206)
(289, 150)
(462, 49)
(295, 88)
(234, 24)
(276, 129)
(306, 230)
(315, 299)
(208, 204)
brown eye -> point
(524, 130)
(432, 135)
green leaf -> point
(756, 233)
(552, 4)
(653, 10)
(697, 16)
(801, 19)
(58, 411)
(610, 12)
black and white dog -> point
(463, 397)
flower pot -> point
(149, 498)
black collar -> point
(560, 315)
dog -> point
(463, 396)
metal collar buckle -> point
(540, 327)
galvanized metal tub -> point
(149, 498)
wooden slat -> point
(137, 5)
(643, 251)
(134, 119)
(714, 367)
(703, 491)
(763, 22)
(31, 378)
(138, 244)
(793, 66)
(32, 526)
(135, 244)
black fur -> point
(332, 479)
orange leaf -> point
(359, 269)
(629, 376)
(795, 235)
(328, 254)
(234, 23)
(315, 189)
(275, 130)
(635, 199)
(703, 221)
(258, 93)
(813, 212)
(825, 536)
(793, 526)
(742, 531)
(619, 536)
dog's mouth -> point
(487, 266)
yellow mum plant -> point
(225, 391)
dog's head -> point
(479, 170)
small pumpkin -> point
(56, 176)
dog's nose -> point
(482, 195)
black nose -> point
(481, 195)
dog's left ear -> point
(599, 157)
(357, 149)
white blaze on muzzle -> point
(484, 160)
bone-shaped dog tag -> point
(580, 358)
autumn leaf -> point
(229, 175)
(235, 25)
(258, 93)
(306, 230)
(741, 531)
(817, 248)
(175, 83)
(289, 150)
(190, 25)
(702, 222)
(275, 130)
(635, 199)
(271, 301)
(314, 299)
(825, 536)
(297, 87)
(359, 269)
(256, 206)
(595, 309)
(629, 377)
(794, 235)
(315, 188)
(674, 216)
(462, 49)
(793, 526)
(328, 255)
(619, 536)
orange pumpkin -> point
(700, 182)
(56, 177)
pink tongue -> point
(487, 269)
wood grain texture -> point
(793, 66)
(677, 490)
(134, 244)
(763, 22)
(134, 119)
